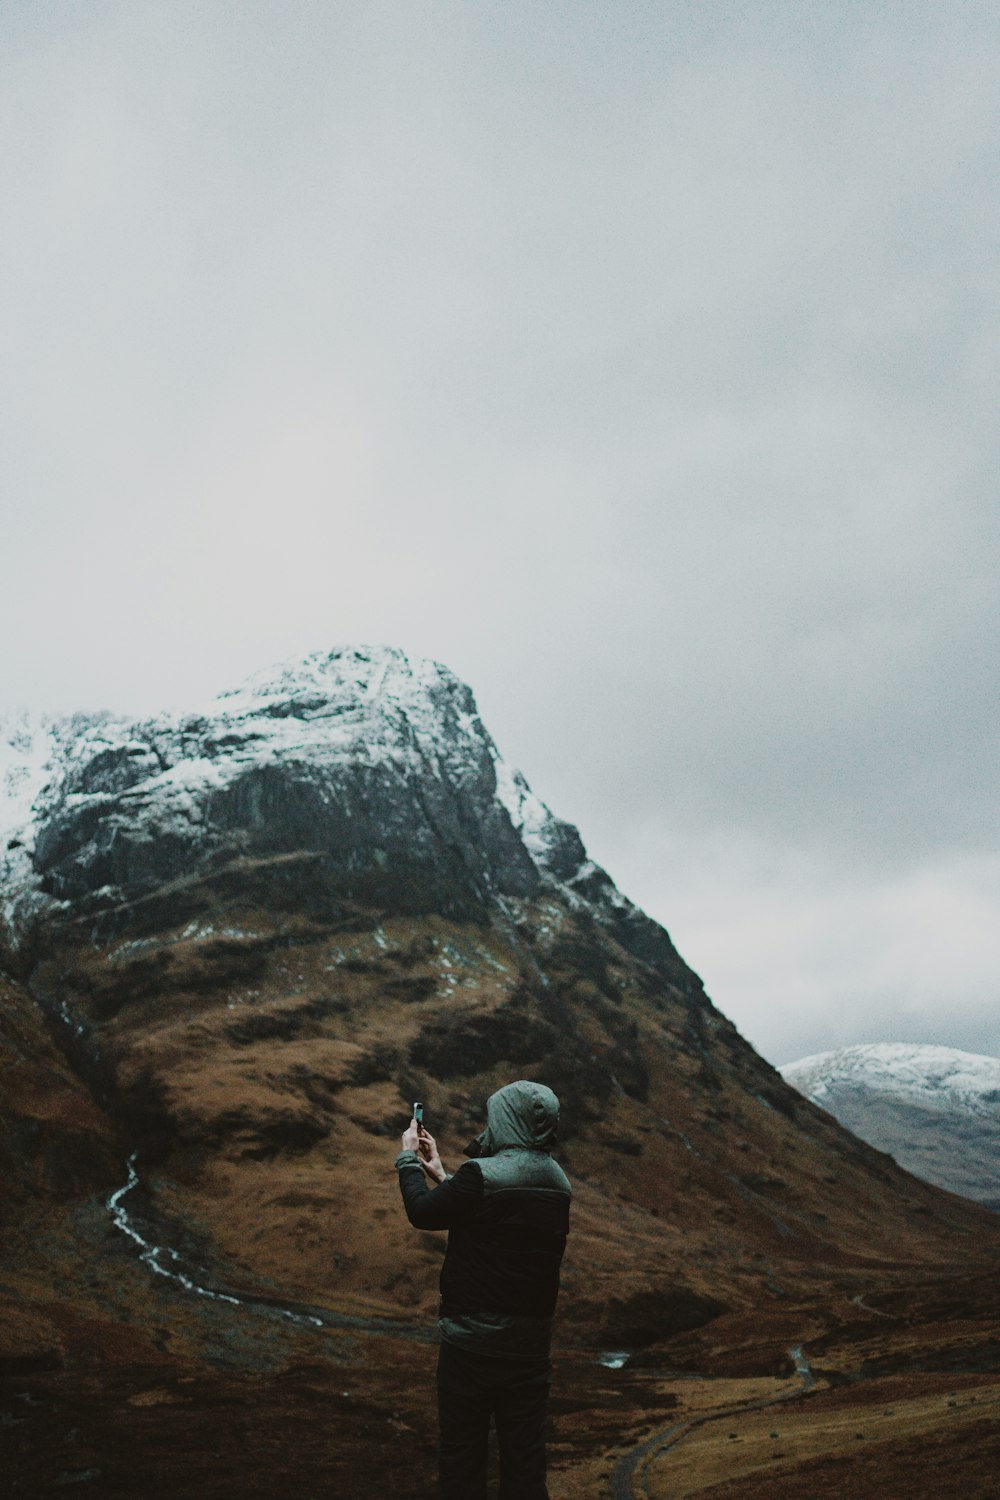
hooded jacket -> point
(507, 1213)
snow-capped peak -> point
(377, 676)
(934, 1077)
(347, 722)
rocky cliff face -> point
(261, 930)
(376, 771)
(934, 1109)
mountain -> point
(934, 1109)
(258, 931)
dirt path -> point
(860, 1302)
(628, 1478)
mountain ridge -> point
(78, 789)
(935, 1109)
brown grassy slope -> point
(925, 1435)
(54, 1139)
(265, 1069)
(56, 1146)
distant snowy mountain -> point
(935, 1109)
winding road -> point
(628, 1478)
(860, 1302)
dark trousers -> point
(471, 1389)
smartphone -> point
(418, 1114)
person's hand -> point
(411, 1137)
(429, 1159)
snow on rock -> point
(359, 755)
(26, 750)
(27, 766)
(933, 1077)
(935, 1109)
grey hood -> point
(523, 1116)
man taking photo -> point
(507, 1213)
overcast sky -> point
(637, 360)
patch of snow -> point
(527, 813)
(126, 951)
(77, 1027)
(609, 891)
(470, 725)
(29, 763)
(26, 755)
(195, 932)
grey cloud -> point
(640, 362)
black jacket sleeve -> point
(451, 1203)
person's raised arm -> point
(454, 1198)
(416, 1138)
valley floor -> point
(178, 1397)
(120, 1384)
(322, 1429)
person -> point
(507, 1215)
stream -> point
(167, 1262)
(150, 1254)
